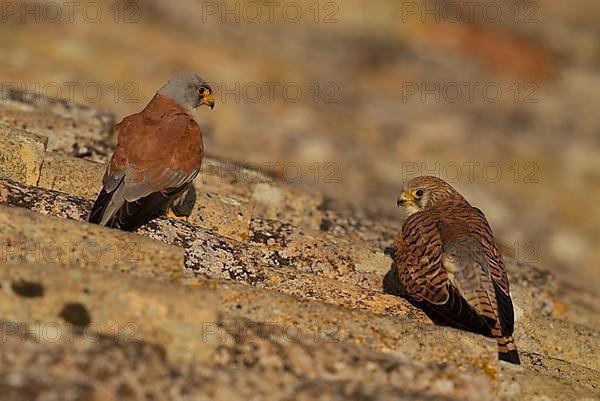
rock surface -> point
(269, 292)
(52, 303)
(21, 155)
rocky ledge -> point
(269, 292)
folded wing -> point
(159, 153)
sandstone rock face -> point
(225, 215)
(30, 237)
(72, 175)
(70, 128)
(21, 155)
(53, 303)
(269, 292)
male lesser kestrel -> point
(159, 152)
(449, 263)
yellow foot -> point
(171, 214)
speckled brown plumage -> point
(448, 261)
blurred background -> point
(500, 98)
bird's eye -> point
(202, 90)
(419, 193)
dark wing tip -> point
(511, 356)
(133, 215)
(506, 311)
(457, 313)
(99, 207)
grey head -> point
(189, 91)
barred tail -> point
(507, 350)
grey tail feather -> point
(99, 207)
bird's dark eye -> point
(419, 192)
(202, 91)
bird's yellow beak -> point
(208, 100)
(405, 199)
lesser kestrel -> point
(159, 152)
(449, 263)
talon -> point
(171, 214)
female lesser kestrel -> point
(158, 154)
(449, 263)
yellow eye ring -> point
(417, 193)
(202, 90)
